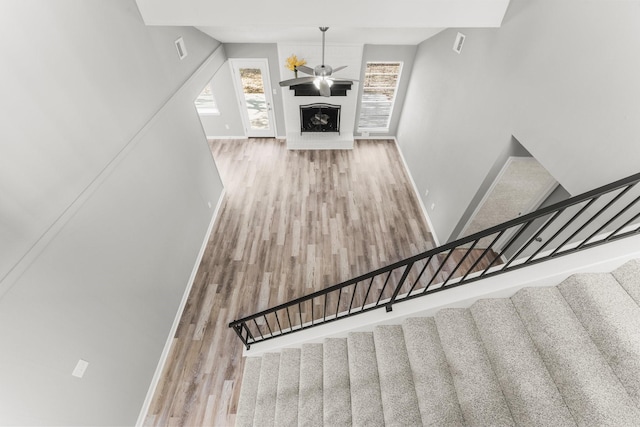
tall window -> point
(378, 95)
(206, 103)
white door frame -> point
(263, 64)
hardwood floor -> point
(292, 222)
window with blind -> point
(206, 103)
(378, 95)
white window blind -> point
(378, 95)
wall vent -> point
(181, 48)
(457, 46)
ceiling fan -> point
(320, 75)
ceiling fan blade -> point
(325, 89)
(305, 69)
(297, 81)
(345, 80)
(342, 67)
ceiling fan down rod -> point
(324, 30)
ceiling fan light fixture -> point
(317, 81)
(320, 75)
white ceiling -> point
(313, 35)
(370, 22)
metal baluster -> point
(256, 323)
(564, 227)
(419, 275)
(300, 313)
(384, 287)
(353, 295)
(238, 331)
(289, 317)
(312, 315)
(533, 239)
(364, 301)
(616, 216)
(324, 316)
(338, 305)
(278, 321)
(267, 322)
(248, 331)
(623, 226)
(506, 248)
(398, 287)
(586, 224)
(460, 263)
(493, 242)
(438, 271)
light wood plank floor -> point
(292, 222)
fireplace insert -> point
(320, 118)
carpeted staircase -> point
(552, 356)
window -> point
(378, 95)
(205, 103)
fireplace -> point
(320, 118)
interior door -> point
(251, 78)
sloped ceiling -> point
(373, 21)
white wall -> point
(228, 123)
(559, 76)
(105, 178)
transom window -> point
(206, 103)
(378, 95)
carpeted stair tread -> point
(288, 388)
(248, 392)
(531, 394)
(310, 403)
(628, 275)
(612, 319)
(399, 400)
(587, 383)
(479, 393)
(366, 400)
(435, 391)
(337, 392)
(562, 356)
(267, 391)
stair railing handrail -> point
(553, 211)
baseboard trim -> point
(227, 137)
(415, 190)
(176, 321)
(374, 137)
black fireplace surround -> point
(320, 118)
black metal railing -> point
(599, 216)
